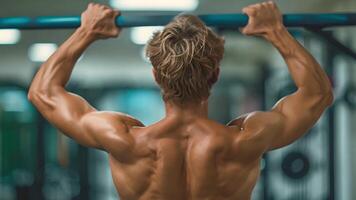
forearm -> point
(56, 71)
(305, 70)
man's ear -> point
(154, 73)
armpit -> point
(131, 121)
(238, 122)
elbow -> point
(323, 98)
(41, 98)
(326, 98)
(30, 95)
(329, 97)
(33, 95)
(36, 95)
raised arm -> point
(69, 112)
(293, 115)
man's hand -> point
(264, 18)
(99, 21)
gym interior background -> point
(37, 162)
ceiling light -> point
(40, 52)
(9, 36)
(140, 35)
(160, 5)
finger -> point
(115, 33)
(254, 5)
(117, 13)
(257, 5)
(90, 5)
(245, 31)
(107, 12)
(241, 30)
(273, 4)
(105, 6)
(249, 11)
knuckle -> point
(107, 12)
(250, 12)
(253, 12)
(272, 3)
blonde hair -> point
(185, 56)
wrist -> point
(275, 33)
(282, 40)
(77, 43)
(87, 35)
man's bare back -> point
(185, 155)
(187, 158)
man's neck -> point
(187, 110)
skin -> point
(185, 155)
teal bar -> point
(228, 21)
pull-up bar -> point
(216, 20)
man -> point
(185, 155)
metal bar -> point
(215, 20)
(329, 38)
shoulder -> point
(128, 119)
(259, 128)
(113, 131)
(256, 119)
(254, 132)
(110, 120)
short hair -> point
(185, 56)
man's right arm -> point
(299, 111)
(293, 115)
(71, 113)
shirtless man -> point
(185, 155)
